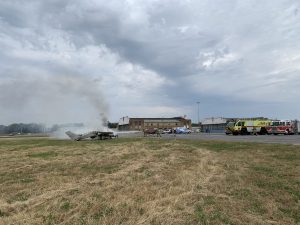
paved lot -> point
(281, 139)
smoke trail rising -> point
(50, 98)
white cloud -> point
(218, 59)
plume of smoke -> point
(88, 89)
(53, 99)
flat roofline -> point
(157, 118)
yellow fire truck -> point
(244, 127)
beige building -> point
(126, 123)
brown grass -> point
(148, 181)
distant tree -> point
(22, 128)
(14, 128)
(2, 129)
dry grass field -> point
(148, 181)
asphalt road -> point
(280, 139)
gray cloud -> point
(155, 54)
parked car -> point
(183, 130)
(188, 131)
(166, 131)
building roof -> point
(157, 118)
(214, 120)
(126, 120)
(161, 120)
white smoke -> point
(88, 89)
(54, 99)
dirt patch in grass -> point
(148, 181)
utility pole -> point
(198, 112)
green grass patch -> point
(19, 197)
(288, 157)
(27, 180)
(129, 156)
(3, 214)
(200, 215)
(257, 207)
(209, 200)
(242, 193)
(218, 215)
(43, 155)
(215, 216)
(103, 212)
(263, 169)
(49, 219)
(220, 146)
(66, 205)
(208, 212)
(291, 213)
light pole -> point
(198, 112)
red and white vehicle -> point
(284, 127)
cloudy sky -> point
(72, 60)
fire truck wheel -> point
(263, 131)
(244, 131)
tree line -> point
(22, 128)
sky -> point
(65, 61)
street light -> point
(198, 113)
